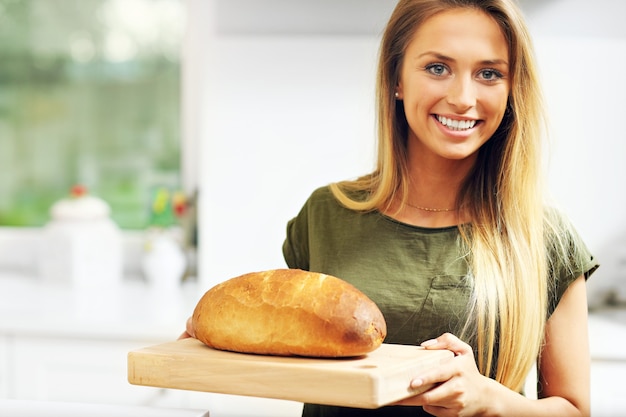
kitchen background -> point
(276, 99)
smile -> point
(456, 124)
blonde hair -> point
(503, 194)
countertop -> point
(134, 313)
(19, 408)
(607, 334)
(132, 310)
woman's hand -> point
(459, 388)
(188, 331)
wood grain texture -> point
(369, 381)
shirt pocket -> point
(445, 307)
(427, 308)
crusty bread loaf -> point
(289, 312)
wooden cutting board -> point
(370, 381)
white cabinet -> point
(221, 405)
(70, 369)
(5, 370)
(608, 392)
(63, 345)
(607, 336)
(95, 371)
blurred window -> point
(89, 94)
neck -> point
(435, 181)
(434, 190)
(424, 218)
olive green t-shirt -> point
(417, 276)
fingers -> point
(430, 397)
(451, 387)
(463, 361)
(435, 376)
(449, 342)
(188, 331)
(189, 326)
(439, 411)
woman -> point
(450, 235)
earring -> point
(397, 94)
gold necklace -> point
(434, 210)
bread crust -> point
(289, 312)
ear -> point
(398, 92)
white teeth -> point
(456, 124)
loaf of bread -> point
(289, 312)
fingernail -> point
(429, 342)
(416, 383)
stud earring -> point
(397, 94)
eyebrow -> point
(447, 58)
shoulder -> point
(562, 238)
(320, 199)
(567, 254)
(320, 220)
(321, 194)
(326, 197)
(321, 202)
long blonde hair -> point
(503, 193)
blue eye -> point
(490, 75)
(436, 69)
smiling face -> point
(454, 83)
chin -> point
(460, 155)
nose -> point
(462, 93)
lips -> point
(456, 124)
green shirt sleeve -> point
(296, 247)
(565, 269)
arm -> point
(563, 372)
(565, 362)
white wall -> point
(287, 107)
(581, 48)
(290, 115)
(286, 112)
